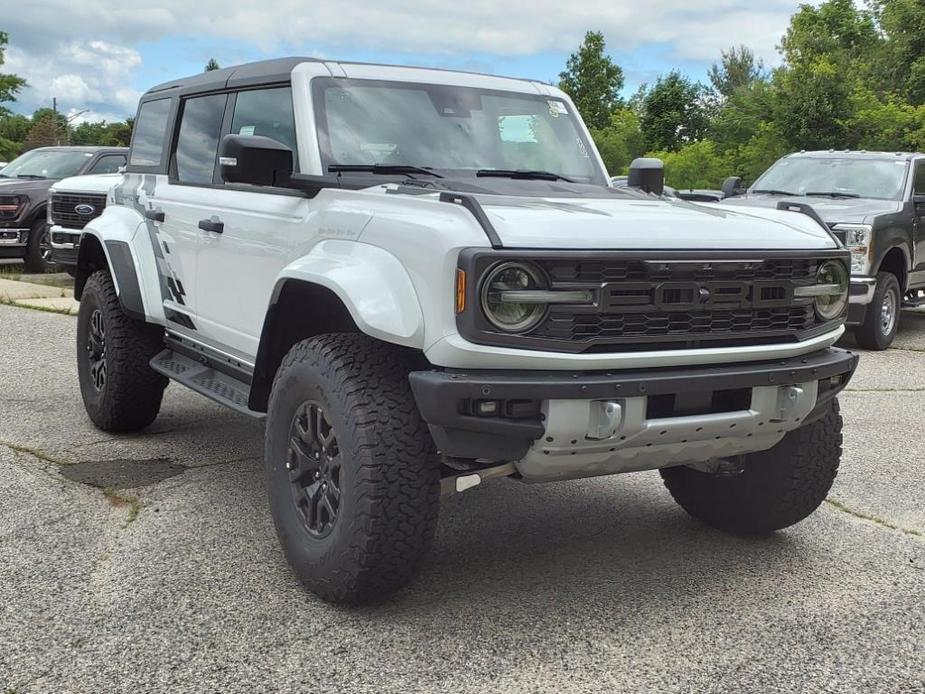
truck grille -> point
(64, 209)
(643, 301)
(647, 302)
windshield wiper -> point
(834, 194)
(525, 174)
(385, 169)
(30, 176)
(772, 191)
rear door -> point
(182, 199)
(918, 222)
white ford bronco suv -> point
(423, 279)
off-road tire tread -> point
(134, 390)
(778, 487)
(396, 465)
(868, 334)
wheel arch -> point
(896, 262)
(116, 257)
(340, 286)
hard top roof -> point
(263, 72)
(856, 154)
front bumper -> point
(560, 425)
(11, 237)
(65, 245)
(860, 296)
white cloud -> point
(82, 48)
(89, 75)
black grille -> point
(64, 208)
(628, 284)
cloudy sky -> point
(100, 55)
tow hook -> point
(460, 483)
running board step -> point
(215, 385)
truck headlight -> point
(857, 240)
(515, 296)
(11, 205)
(503, 300)
(830, 293)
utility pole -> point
(54, 108)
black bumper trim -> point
(439, 393)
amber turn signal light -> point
(460, 290)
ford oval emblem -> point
(85, 210)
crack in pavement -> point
(876, 520)
(34, 452)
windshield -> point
(46, 164)
(460, 130)
(862, 178)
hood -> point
(640, 223)
(24, 186)
(832, 210)
(96, 183)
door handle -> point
(214, 225)
(154, 215)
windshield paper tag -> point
(247, 130)
(556, 108)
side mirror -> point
(647, 174)
(918, 199)
(732, 186)
(254, 159)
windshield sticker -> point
(556, 108)
(247, 130)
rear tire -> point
(120, 390)
(39, 244)
(882, 318)
(371, 447)
(775, 488)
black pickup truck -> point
(24, 184)
(875, 203)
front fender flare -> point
(372, 284)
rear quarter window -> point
(150, 135)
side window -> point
(266, 112)
(108, 165)
(150, 133)
(920, 177)
(197, 143)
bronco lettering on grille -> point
(627, 297)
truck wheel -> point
(352, 473)
(882, 319)
(39, 244)
(119, 389)
(772, 489)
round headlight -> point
(833, 277)
(498, 297)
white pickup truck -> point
(423, 279)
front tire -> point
(882, 319)
(774, 489)
(39, 244)
(352, 473)
(120, 390)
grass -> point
(873, 519)
(119, 500)
(7, 301)
(35, 452)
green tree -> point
(43, 133)
(620, 142)
(212, 65)
(674, 112)
(737, 69)
(695, 165)
(9, 84)
(902, 61)
(836, 30)
(101, 133)
(593, 81)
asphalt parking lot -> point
(178, 585)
